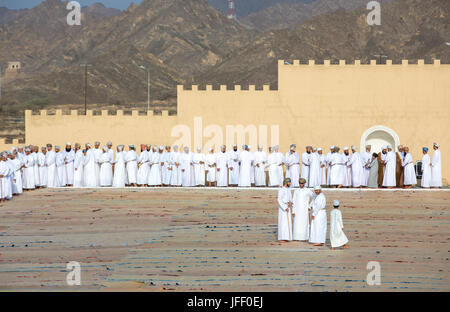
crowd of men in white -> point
(26, 168)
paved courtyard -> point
(218, 240)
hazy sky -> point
(20, 4)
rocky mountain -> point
(246, 7)
(100, 10)
(7, 15)
(410, 29)
(175, 39)
(289, 14)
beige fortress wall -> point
(321, 105)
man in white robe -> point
(78, 166)
(109, 145)
(210, 165)
(252, 169)
(306, 163)
(43, 175)
(318, 233)
(222, 167)
(34, 153)
(69, 157)
(50, 163)
(28, 183)
(5, 181)
(16, 165)
(314, 169)
(233, 166)
(293, 165)
(323, 167)
(328, 160)
(131, 164)
(89, 170)
(389, 178)
(120, 178)
(272, 163)
(284, 212)
(198, 161)
(366, 158)
(300, 211)
(426, 169)
(97, 151)
(260, 166)
(175, 178)
(155, 175)
(10, 164)
(347, 168)
(356, 165)
(245, 162)
(409, 173)
(165, 167)
(281, 162)
(436, 168)
(336, 168)
(186, 167)
(144, 168)
(60, 167)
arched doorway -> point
(378, 136)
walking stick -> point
(289, 228)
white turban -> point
(436, 144)
(316, 188)
(319, 149)
(345, 148)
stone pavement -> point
(218, 240)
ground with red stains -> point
(218, 240)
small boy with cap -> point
(337, 235)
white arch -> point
(379, 128)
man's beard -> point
(235, 149)
(68, 149)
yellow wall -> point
(318, 105)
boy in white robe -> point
(323, 167)
(300, 212)
(34, 153)
(314, 169)
(436, 168)
(347, 168)
(284, 212)
(328, 161)
(89, 165)
(319, 219)
(5, 181)
(366, 158)
(337, 235)
(166, 173)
